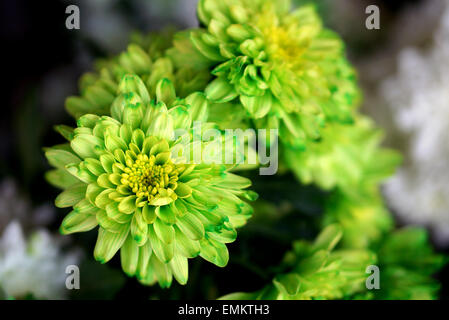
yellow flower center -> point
(283, 45)
(147, 179)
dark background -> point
(42, 61)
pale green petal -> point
(109, 243)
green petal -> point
(85, 145)
(102, 200)
(180, 268)
(92, 191)
(88, 120)
(113, 142)
(114, 213)
(77, 221)
(61, 178)
(133, 114)
(139, 228)
(135, 60)
(80, 171)
(77, 106)
(223, 235)
(128, 205)
(207, 50)
(108, 224)
(187, 247)
(166, 214)
(162, 126)
(65, 131)
(104, 182)
(165, 92)
(60, 158)
(138, 137)
(198, 106)
(257, 106)
(161, 272)
(183, 190)
(109, 243)
(94, 166)
(191, 227)
(165, 232)
(288, 283)
(129, 256)
(240, 32)
(133, 83)
(235, 182)
(214, 252)
(149, 214)
(220, 91)
(163, 251)
(328, 238)
(181, 117)
(71, 196)
(145, 253)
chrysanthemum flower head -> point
(145, 57)
(407, 260)
(317, 271)
(287, 71)
(348, 157)
(125, 173)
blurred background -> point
(404, 73)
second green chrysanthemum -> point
(286, 70)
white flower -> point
(15, 207)
(33, 267)
(419, 98)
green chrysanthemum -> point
(364, 220)
(405, 260)
(286, 69)
(349, 161)
(317, 271)
(407, 264)
(125, 173)
(347, 157)
(145, 57)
